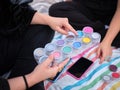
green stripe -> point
(94, 82)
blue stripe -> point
(80, 82)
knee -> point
(53, 8)
(61, 9)
(56, 8)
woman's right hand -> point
(44, 70)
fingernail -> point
(68, 58)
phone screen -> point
(79, 67)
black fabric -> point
(18, 55)
(4, 84)
(36, 36)
(18, 39)
(14, 18)
(20, 1)
(103, 5)
(81, 13)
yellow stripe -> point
(115, 86)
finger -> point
(69, 27)
(108, 58)
(65, 29)
(49, 60)
(99, 52)
(62, 30)
(54, 70)
(102, 59)
(61, 65)
(102, 56)
(54, 64)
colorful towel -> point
(92, 80)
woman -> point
(23, 29)
(36, 76)
(94, 13)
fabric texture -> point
(14, 18)
(18, 39)
(20, 1)
(4, 84)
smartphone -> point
(78, 69)
(59, 73)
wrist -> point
(107, 41)
(39, 18)
(45, 19)
(31, 80)
(26, 82)
(48, 19)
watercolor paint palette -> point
(68, 45)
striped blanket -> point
(92, 80)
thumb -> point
(62, 64)
(98, 52)
(102, 59)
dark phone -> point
(79, 67)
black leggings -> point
(80, 16)
(23, 62)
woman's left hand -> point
(103, 51)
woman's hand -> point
(61, 25)
(103, 51)
(44, 70)
(58, 24)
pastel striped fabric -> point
(92, 80)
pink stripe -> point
(48, 85)
(81, 54)
(102, 86)
(94, 58)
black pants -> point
(18, 54)
(80, 16)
